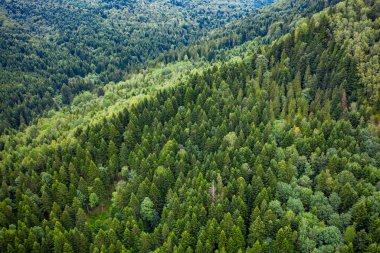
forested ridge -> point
(274, 149)
(53, 50)
(77, 46)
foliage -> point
(271, 151)
(75, 46)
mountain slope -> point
(271, 151)
(52, 48)
(46, 64)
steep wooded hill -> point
(274, 150)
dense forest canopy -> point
(260, 137)
(74, 46)
(64, 47)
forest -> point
(261, 135)
(74, 46)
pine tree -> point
(284, 240)
(94, 200)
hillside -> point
(52, 48)
(270, 145)
(46, 65)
